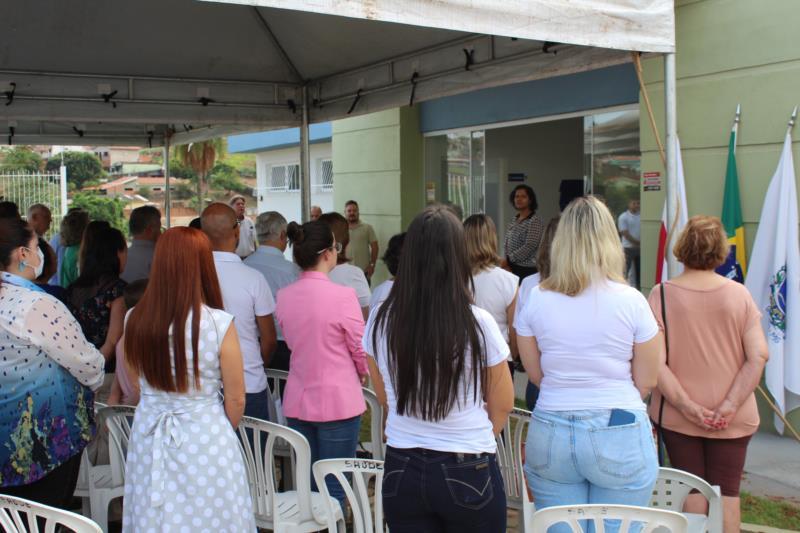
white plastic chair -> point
(573, 514)
(510, 444)
(367, 518)
(21, 516)
(298, 510)
(378, 448)
(674, 486)
(276, 380)
(82, 486)
(107, 482)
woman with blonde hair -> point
(592, 345)
(494, 289)
(704, 403)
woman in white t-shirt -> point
(592, 345)
(344, 273)
(391, 258)
(495, 288)
(438, 363)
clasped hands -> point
(715, 420)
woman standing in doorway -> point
(524, 233)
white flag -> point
(664, 247)
(774, 281)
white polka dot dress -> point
(184, 468)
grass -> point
(766, 512)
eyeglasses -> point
(336, 246)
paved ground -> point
(773, 467)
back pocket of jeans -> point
(393, 470)
(470, 483)
(539, 445)
(618, 450)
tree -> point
(226, 177)
(83, 168)
(102, 208)
(21, 159)
(145, 191)
(201, 158)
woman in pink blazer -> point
(323, 325)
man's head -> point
(219, 222)
(145, 223)
(316, 212)
(351, 211)
(40, 218)
(271, 230)
(238, 203)
(633, 206)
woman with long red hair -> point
(183, 467)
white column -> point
(671, 113)
(305, 164)
(167, 193)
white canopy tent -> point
(154, 72)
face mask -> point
(37, 270)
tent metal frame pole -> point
(671, 115)
(167, 193)
(305, 163)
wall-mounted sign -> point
(651, 181)
(517, 176)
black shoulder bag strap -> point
(660, 429)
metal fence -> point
(26, 189)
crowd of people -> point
(88, 317)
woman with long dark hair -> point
(49, 372)
(439, 366)
(95, 298)
(184, 469)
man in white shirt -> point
(629, 228)
(344, 273)
(145, 229)
(247, 297)
(247, 230)
(270, 261)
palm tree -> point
(201, 157)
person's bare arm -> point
(380, 391)
(512, 333)
(756, 354)
(267, 337)
(499, 395)
(648, 358)
(115, 396)
(531, 358)
(373, 256)
(232, 369)
(116, 326)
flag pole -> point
(735, 127)
(778, 412)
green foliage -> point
(178, 170)
(145, 191)
(21, 159)
(183, 191)
(226, 177)
(770, 513)
(83, 168)
(102, 208)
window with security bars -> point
(285, 178)
(325, 179)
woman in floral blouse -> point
(49, 371)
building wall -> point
(729, 52)
(377, 161)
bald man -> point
(40, 218)
(247, 297)
(316, 212)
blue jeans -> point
(574, 457)
(256, 405)
(427, 491)
(330, 440)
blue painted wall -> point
(552, 96)
(276, 139)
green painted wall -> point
(377, 161)
(728, 52)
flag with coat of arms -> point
(774, 281)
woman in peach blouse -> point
(717, 351)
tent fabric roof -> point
(117, 72)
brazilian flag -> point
(735, 266)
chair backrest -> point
(376, 424)
(674, 486)
(510, 444)
(118, 419)
(258, 439)
(366, 517)
(23, 516)
(627, 514)
(276, 380)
